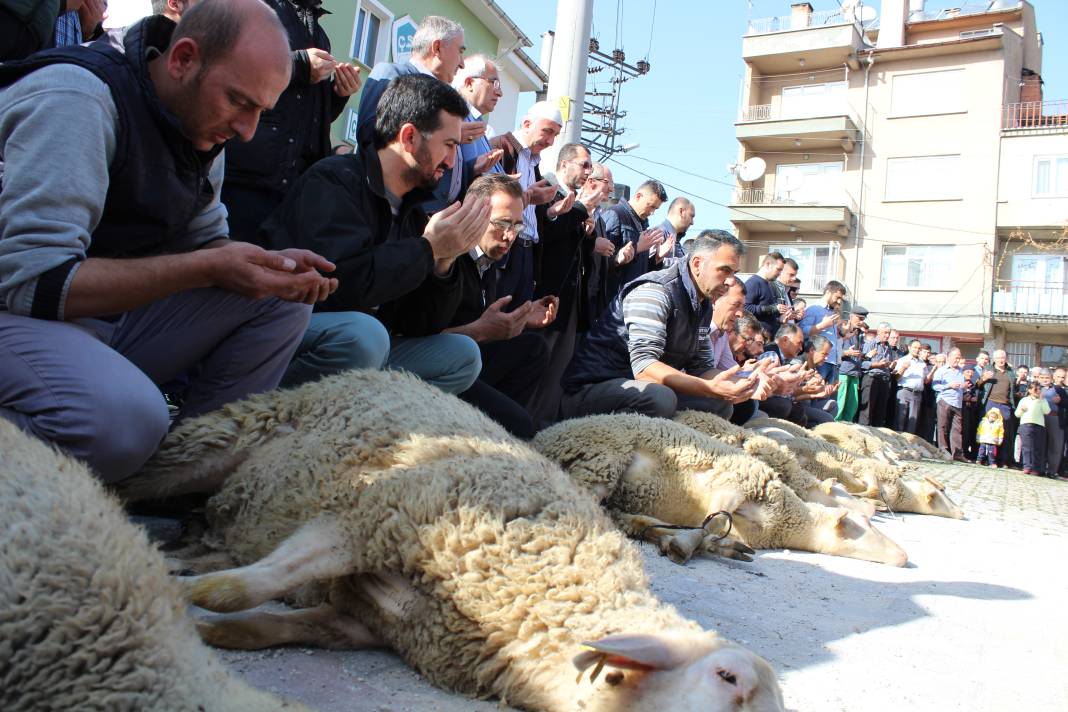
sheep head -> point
(928, 496)
(683, 670)
(839, 532)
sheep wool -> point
(666, 470)
(439, 535)
(89, 618)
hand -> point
(851, 352)
(90, 14)
(346, 79)
(472, 130)
(650, 238)
(455, 230)
(592, 193)
(539, 193)
(250, 270)
(542, 312)
(562, 206)
(827, 322)
(626, 254)
(783, 309)
(496, 325)
(603, 246)
(799, 314)
(486, 161)
(320, 64)
(872, 352)
(587, 226)
(666, 249)
(727, 386)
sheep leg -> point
(321, 627)
(318, 550)
(680, 545)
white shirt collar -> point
(421, 67)
(472, 112)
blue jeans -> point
(336, 342)
(451, 362)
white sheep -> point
(416, 522)
(89, 618)
(779, 458)
(862, 476)
(858, 439)
(920, 447)
(665, 470)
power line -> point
(760, 217)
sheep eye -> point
(727, 677)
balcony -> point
(768, 127)
(762, 210)
(1035, 116)
(1030, 302)
(775, 45)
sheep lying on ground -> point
(675, 474)
(859, 440)
(826, 492)
(920, 447)
(88, 616)
(434, 532)
(863, 477)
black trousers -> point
(511, 371)
(247, 208)
(874, 394)
(1033, 447)
(970, 416)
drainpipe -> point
(860, 197)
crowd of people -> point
(201, 241)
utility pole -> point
(567, 71)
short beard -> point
(417, 174)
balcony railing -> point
(767, 25)
(761, 197)
(1035, 115)
(1032, 301)
(774, 112)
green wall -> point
(338, 25)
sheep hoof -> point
(221, 592)
(679, 546)
(728, 548)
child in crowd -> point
(1032, 412)
(990, 434)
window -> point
(371, 33)
(915, 266)
(1020, 353)
(1053, 356)
(816, 264)
(1051, 177)
(813, 183)
(928, 93)
(923, 178)
(814, 100)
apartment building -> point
(878, 151)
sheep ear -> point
(935, 483)
(931, 494)
(633, 652)
(840, 517)
(828, 484)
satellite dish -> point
(789, 180)
(867, 14)
(752, 169)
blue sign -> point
(403, 32)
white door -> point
(1038, 283)
(827, 99)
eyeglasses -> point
(506, 226)
(495, 82)
(585, 164)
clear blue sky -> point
(682, 113)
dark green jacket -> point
(38, 15)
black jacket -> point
(476, 293)
(338, 209)
(563, 253)
(296, 132)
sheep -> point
(858, 439)
(863, 477)
(797, 477)
(88, 616)
(658, 468)
(401, 516)
(920, 447)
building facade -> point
(879, 152)
(372, 31)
